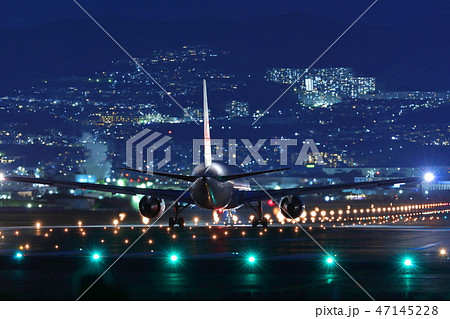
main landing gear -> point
(259, 219)
(177, 219)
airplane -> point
(214, 186)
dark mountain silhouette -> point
(409, 57)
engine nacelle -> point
(151, 207)
(292, 207)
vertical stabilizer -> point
(207, 136)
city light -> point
(429, 177)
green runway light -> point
(174, 258)
(19, 255)
(408, 262)
(330, 260)
(251, 259)
(96, 256)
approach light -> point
(251, 259)
(429, 177)
(408, 262)
(96, 256)
(174, 258)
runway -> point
(53, 260)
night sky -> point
(23, 13)
(403, 43)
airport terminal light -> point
(429, 177)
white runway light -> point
(429, 177)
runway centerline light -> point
(429, 177)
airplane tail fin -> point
(207, 136)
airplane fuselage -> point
(211, 193)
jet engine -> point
(151, 207)
(291, 207)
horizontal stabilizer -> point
(190, 178)
(236, 176)
(170, 175)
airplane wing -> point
(251, 196)
(168, 194)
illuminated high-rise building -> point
(321, 87)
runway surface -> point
(50, 256)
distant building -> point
(192, 113)
(237, 109)
(321, 87)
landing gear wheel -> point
(171, 222)
(181, 222)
